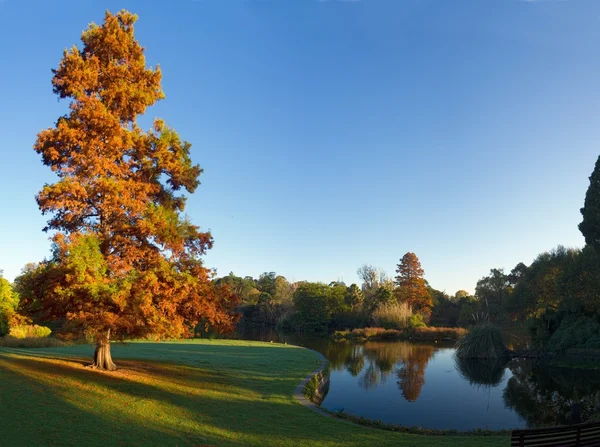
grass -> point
(197, 393)
(416, 334)
(484, 341)
(393, 316)
(416, 430)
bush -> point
(4, 326)
(483, 341)
(438, 333)
(393, 316)
(368, 333)
(417, 334)
(350, 319)
(30, 331)
(575, 332)
(290, 322)
(31, 342)
(317, 387)
(416, 321)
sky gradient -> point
(338, 133)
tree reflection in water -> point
(541, 396)
(479, 372)
(411, 374)
(355, 362)
(374, 362)
(552, 396)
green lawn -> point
(200, 393)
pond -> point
(424, 385)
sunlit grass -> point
(230, 393)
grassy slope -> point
(200, 393)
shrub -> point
(374, 332)
(483, 341)
(368, 333)
(4, 326)
(30, 331)
(31, 342)
(416, 321)
(350, 319)
(418, 334)
(438, 333)
(393, 316)
(289, 322)
(575, 332)
(317, 387)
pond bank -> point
(427, 334)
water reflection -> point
(373, 363)
(355, 362)
(411, 373)
(425, 385)
(416, 384)
(480, 372)
(552, 396)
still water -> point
(424, 385)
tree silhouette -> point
(590, 226)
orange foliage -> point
(411, 284)
(411, 374)
(125, 259)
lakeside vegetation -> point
(483, 341)
(432, 334)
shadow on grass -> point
(143, 404)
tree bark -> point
(102, 358)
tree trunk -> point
(102, 358)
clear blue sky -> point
(337, 133)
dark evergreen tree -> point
(590, 227)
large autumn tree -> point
(126, 261)
(411, 287)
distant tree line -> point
(272, 301)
